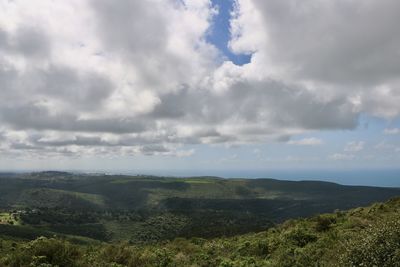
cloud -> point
(161, 41)
(151, 150)
(312, 141)
(354, 146)
(337, 48)
(340, 156)
(139, 77)
(391, 131)
(332, 34)
(383, 146)
(229, 158)
(36, 117)
(349, 151)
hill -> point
(367, 236)
(147, 209)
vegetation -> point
(63, 219)
(146, 209)
(360, 237)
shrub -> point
(379, 245)
(300, 237)
(323, 223)
(44, 252)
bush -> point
(44, 252)
(379, 245)
(300, 237)
(323, 223)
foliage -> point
(376, 246)
(360, 237)
(43, 252)
(63, 219)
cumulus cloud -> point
(312, 141)
(335, 47)
(87, 77)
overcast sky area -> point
(199, 85)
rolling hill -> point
(146, 209)
(364, 236)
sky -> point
(199, 86)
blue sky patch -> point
(220, 32)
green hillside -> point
(359, 237)
(148, 209)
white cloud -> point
(383, 146)
(391, 131)
(337, 48)
(312, 141)
(340, 156)
(354, 146)
(85, 77)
